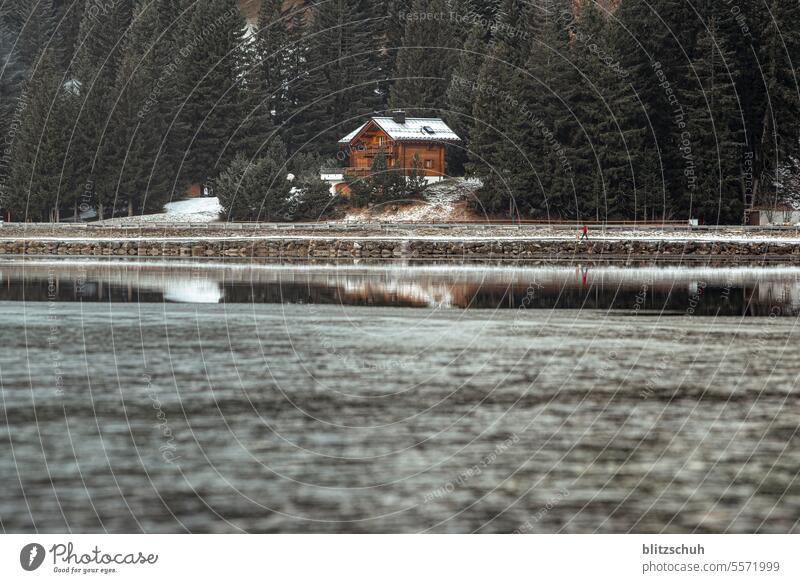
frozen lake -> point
(172, 396)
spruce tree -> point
(494, 153)
(547, 124)
(273, 54)
(36, 28)
(34, 185)
(651, 40)
(426, 61)
(313, 201)
(461, 96)
(257, 190)
(585, 95)
(146, 99)
(773, 132)
(93, 162)
(391, 39)
(12, 79)
(257, 105)
(210, 83)
(715, 131)
(231, 187)
(340, 84)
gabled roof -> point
(414, 128)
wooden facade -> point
(362, 149)
(401, 139)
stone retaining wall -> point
(387, 248)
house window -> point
(380, 141)
(428, 163)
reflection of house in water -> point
(423, 293)
(709, 291)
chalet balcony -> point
(359, 172)
(372, 150)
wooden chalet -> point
(400, 137)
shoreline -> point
(401, 241)
(391, 247)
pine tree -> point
(25, 30)
(545, 181)
(12, 79)
(461, 96)
(391, 39)
(36, 32)
(772, 130)
(35, 177)
(426, 60)
(68, 18)
(291, 117)
(313, 201)
(585, 97)
(145, 104)
(93, 165)
(257, 190)
(273, 55)
(257, 104)
(715, 132)
(339, 85)
(210, 82)
(599, 99)
(231, 187)
(650, 39)
(494, 155)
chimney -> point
(399, 116)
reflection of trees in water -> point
(737, 291)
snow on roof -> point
(414, 128)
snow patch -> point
(192, 210)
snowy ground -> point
(193, 210)
(443, 201)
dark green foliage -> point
(278, 56)
(306, 165)
(93, 163)
(391, 37)
(773, 137)
(461, 96)
(211, 83)
(656, 112)
(312, 201)
(714, 141)
(258, 190)
(496, 155)
(146, 99)
(233, 187)
(388, 183)
(34, 187)
(12, 77)
(360, 190)
(341, 81)
(35, 27)
(426, 61)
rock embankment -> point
(299, 247)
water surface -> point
(171, 396)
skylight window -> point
(428, 130)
